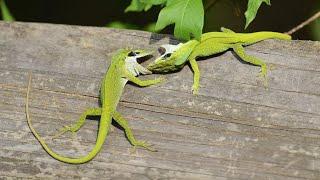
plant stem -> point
(304, 23)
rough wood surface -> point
(234, 129)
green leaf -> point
(252, 9)
(150, 27)
(137, 5)
(124, 25)
(6, 15)
(154, 2)
(187, 15)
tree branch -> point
(304, 23)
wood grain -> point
(234, 128)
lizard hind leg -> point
(76, 126)
(124, 124)
(239, 50)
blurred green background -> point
(281, 16)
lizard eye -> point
(161, 50)
(137, 52)
(131, 54)
(167, 55)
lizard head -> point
(166, 61)
(132, 60)
(172, 57)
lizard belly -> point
(111, 93)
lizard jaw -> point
(163, 61)
(134, 67)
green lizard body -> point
(174, 57)
(123, 68)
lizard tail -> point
(103, 130)
(252, 38)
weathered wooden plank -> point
(234, 129)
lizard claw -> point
(64, 130)
(264, 78)
(195, 90)
(263, 75)
(161, 79)
(144, 145)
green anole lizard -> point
(174, 57)
(123, 68)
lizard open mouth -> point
(134, 60)
(143, 59)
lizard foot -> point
(271, 66)
(161, 79)
(195, 90)
(144, 145)
(64, 130)
(263, 75)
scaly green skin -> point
(176, 56)
(123, 68)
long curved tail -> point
(103, 130)
(252, 38)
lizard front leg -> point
(239, 50)
(196, 75)
(76, 126)
(205, 48)
(124, 124)
(140, 82)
